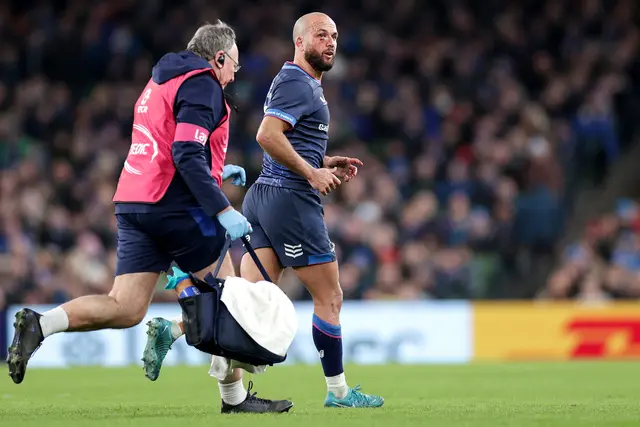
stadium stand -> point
(478, 123)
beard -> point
(317, 61)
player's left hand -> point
(237, 173)
(347, 167)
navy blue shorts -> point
(289, 221)
(149, 242)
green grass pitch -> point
(478, 395)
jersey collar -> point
(288, 65)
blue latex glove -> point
(235, 224)
(178, 276)
(237, 173)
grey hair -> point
(211, 38)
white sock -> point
(233, 393)
(337, 385)
(54, 321)
(176, 330)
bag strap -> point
(255, 258)
(252, 253)
(223, 253)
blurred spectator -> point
(605, 264)
(477, 123)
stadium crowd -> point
(605, 262)
(476, 121)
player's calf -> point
(327, 337)
(124, 307)
(322, 282)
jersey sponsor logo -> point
(281, 115)
(143, 151)
(200, 136)
(145, 97)
(323, 128)
(191, 132)
(138, 149)
(293, 251)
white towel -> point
(263, 311)
(221, 367)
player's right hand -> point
(235, 223)
(324, 180)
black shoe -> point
(27, 339)
(257, 405)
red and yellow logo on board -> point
(603, 338)
(553, 331)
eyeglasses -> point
(236, 66)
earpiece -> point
(220, 60)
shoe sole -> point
(282, 411)
(15, 360)
(338, 405)
(287, 409)
(150, 357)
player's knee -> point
(331, 299)
(129, 313)
(132, 316)
(131, 294)
(337, 299)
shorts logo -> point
(332, 246)
(293, 251)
